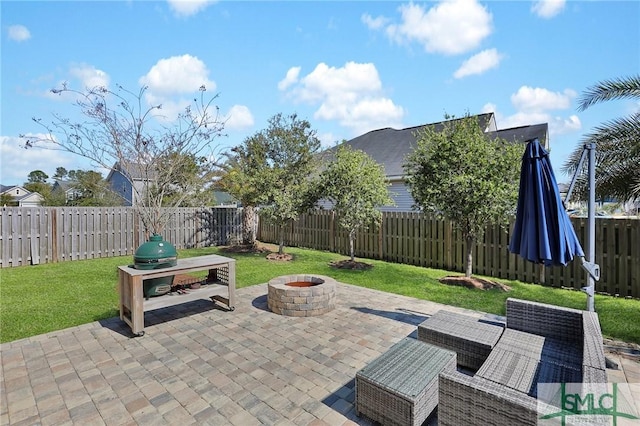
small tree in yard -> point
(461, 174)
(244, 177)
(290, 148)
(119, 127)
(91, 189)
(37, 182)
(356, 186)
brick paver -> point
(198, 364)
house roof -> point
(134, 171)
(62, 184)
(5, 188)
(8, 188)
(31, 195)
(390, 147)
(523, 133)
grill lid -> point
(156, 250)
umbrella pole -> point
(588, 264)
(591, 222)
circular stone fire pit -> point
(301, 295)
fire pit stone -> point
(301, 295)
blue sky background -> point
(347, 67)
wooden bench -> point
(130, 286)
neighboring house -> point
(389, 147)
(224, 199)
(21, 196)
(70, 193)
(124, 177)
(607, 207)
(138, 177)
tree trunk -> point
(248, 225)
(469, 269)
(280, 239)
(352, 237)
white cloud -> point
(479, 63)
(170, 80)
(328, 140)
(177, 75)
(89, 76)
(81, 77)
(291, 78)
(24, 161)
(19, 33)
(535, 106)
(374, 23)
(188, 7)
(538, 99)
(352, 95)
(548, 8)
(450, 27)
(238, 117)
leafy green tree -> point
(37, 176)
(119, 126)
(617, 144)
(244, 177)
(7, 200)
(93, 189)
(291, 145)
(61, 173)
(461, 174)
(54, 198)
(190, 184)
(356, 186)
(37, 182)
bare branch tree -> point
(118, 129)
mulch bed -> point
(250, 248)
(284, 257)
(353, 265)
(474, 282)
(260, 248)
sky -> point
(348, 67)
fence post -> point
(380, 236)
(54, 235)
(332, 233)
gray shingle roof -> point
(523, 133)
(389, 147)
(134, 171)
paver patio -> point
(198, 364)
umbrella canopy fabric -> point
(543, 232)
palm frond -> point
(624, 87)
(617, 145)
(623, 131)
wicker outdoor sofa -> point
(540, 344)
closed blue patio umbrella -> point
(543, 232)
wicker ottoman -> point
(400, 387)
(470, 339)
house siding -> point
(121, 186)
(32, 200)
(16, 191)
(401, 196)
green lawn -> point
(43, 298)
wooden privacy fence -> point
(36, 235)
(417, 239)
